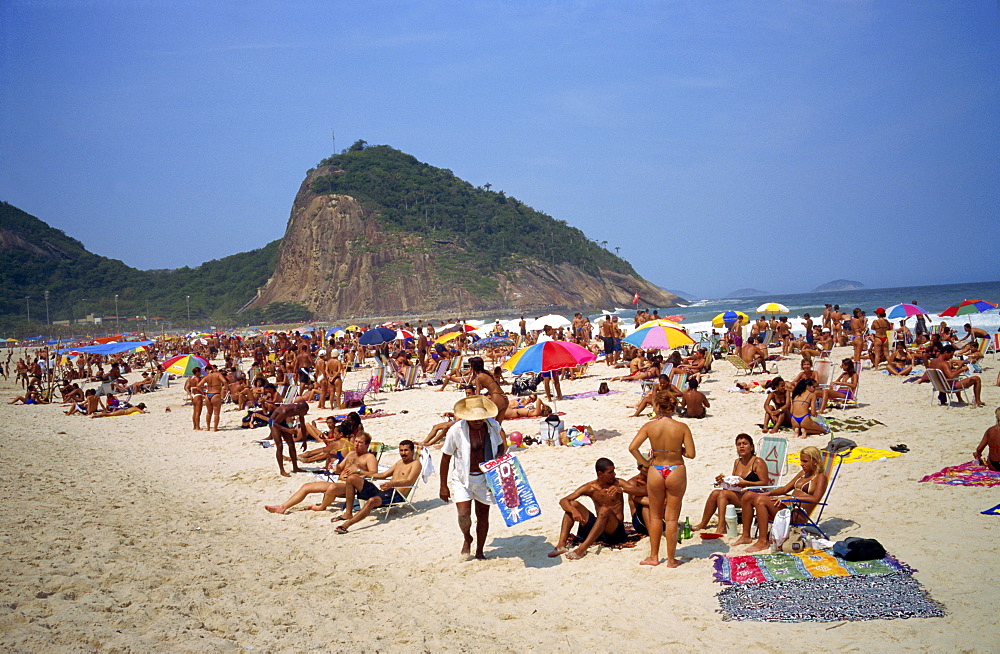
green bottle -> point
(687, 527)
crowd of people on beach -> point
(276, 378)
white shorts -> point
(477, 490)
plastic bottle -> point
(731, 522)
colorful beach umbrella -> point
(674, 318)
(772, 308)
(183, 364)
(450, 336)
(898, 311)
(402, 334)
(658, 337)
(730, 317)
(456, 329)
(662, 322)
(547, 356)
(967, 307)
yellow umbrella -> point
(719, 322)
(448, 337)
(772, 308)
(352, 328)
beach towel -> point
(580, 396)
(994, 511)
(829, 599)
(762, 568)
(854, 424)
(967, 474)
(858, 455)
(561, 413)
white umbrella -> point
(552, 320)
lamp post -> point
(27, 301)
(47, 321)
(147, 316)
(117, 324)
(188, 298)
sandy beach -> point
(139, 534)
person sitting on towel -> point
(992, 439)
(608, 526)
(402, 476)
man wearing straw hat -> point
(473, 439)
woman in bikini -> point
(801, 410)
(807, 487)
(666, 479)
(843, 388)
(900, 362)
(482, 380)
(212, 385)
(752, 471)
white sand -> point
(139, 534)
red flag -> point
(635, 299)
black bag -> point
(525, 384)
(859, 549)
(603, 389)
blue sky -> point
(720, 145)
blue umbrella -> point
(377, 336)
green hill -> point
(35, 258)
(496, 230)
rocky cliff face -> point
(338, 261)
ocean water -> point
(698, 316)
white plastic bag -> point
(780, 527)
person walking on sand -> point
(474, 439)
(666, 480)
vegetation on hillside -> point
(496, 230)
(38, 258)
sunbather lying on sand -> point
(130, 411)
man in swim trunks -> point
(281, 431)
(402, 476)
(608, 337)
(474, 439)
(992, 439)
(608, 526)
(693, 402)
(953, 375)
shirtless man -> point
(358, 462)
(608, 526)
(952, 374)
(753, 354)
(880, 343)
(402, 476)
(991, 439)
(282, 432)
(90, 405)
(693, 402)
(212, 384)
(304, 365)
(608, 337)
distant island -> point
(747, 292)
(839, 285)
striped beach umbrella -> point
(967, 307)
(183, 364)
(658, 337)
(547, 356)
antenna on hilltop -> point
(333, 135)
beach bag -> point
(781, 527)
(795, 542)
(550, 429)
(859, 549)
(525, 384)
(603, 389)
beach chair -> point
(768, 338)
(941, 384)
(844, 402)
(290, 393)
(803, 517)
(679, 380)
(410, 380)
(994, 345)
(405, 501)
(739, 363)
(824, 372)
(773, 449)
(162, 382)
(357, 398)
(442, 370)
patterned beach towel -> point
(580, 396)
(829, 599)
(967, 474)
(761, 568)
(855, 424)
